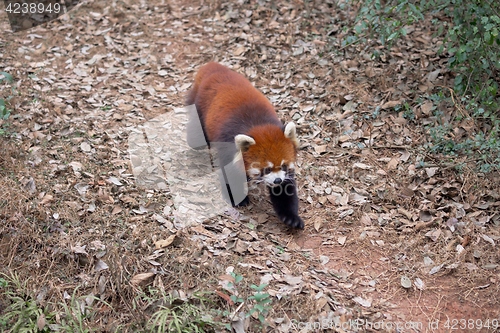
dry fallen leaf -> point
(30, 186)
(293, 279)
(116, 210)
(434, 234)
(321, 149)
(238, 322)
(363, 302)
(390, 104)
(318, 223)
(361, 166)
(320, 303)
(164, 242)
(40, 322)
(100, 266)
(433, 75)
(488, 239)
(104, 196)
(436, 269)
(79, 249)
(431, 171)
(405, 282)
(142, 279)
(115, 181)
(46, 199)
(225, 297)
(393, 163)
(366, 220)
(419, 284)
(239, 51)
(85, 147)
(425, 215)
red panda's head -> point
(269, 152)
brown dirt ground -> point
(372, 212)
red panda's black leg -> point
(229, 197)
(286, 203)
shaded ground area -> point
(394, 237)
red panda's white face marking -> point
(273, 178)
(271, 175)
(253, 172)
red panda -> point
(232, 111)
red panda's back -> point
(226, 100)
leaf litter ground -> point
(393, 234)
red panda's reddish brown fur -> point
(231, 109)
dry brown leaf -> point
(365, 302)
(431, 171)
(85, 147)
(365, 219)
(405, 191)
(225, 297)
(488, 239)
(201, 230)
(390, 104)
(40, 322)
(433, 75)
(318, 223)
(241, 246)
(405, 212)
(426, 108)
(100, 266)
(425, 215)
(393, 163)
(164, 242)
(293, 280)
(466, 240)
(239, 51)
(361, 166)
(434, 234)
(321, 149)
(116, 210)
(142, 279)
(104, 196)
(47, 198)
(320, 303)
(422, 225)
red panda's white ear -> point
(243, 142)
(291, 133)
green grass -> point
(470, 31)
(23, 313)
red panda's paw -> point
(293, 221)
